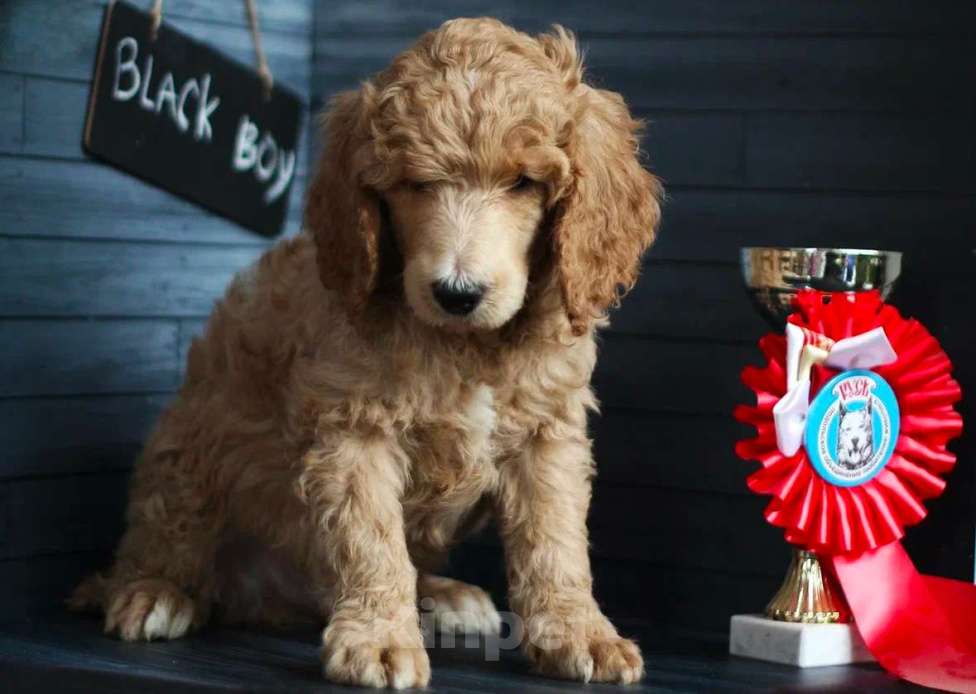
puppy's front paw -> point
(588, 657)
(369, 657)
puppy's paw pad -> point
(458, 607)
(370, 666)
(149, 609)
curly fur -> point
(336, 432)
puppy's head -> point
(485, 159)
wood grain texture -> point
(797, 73)
(742, 73)
(54, 117)
(11, 112)
(694, 148)
(711, 225)
(860, 152)
(656, 17)
(688, 300)
(669, 375)
(47, 50)
(873, 152)
(60, 357)
(285, 16)
(82, 199)
(93, 434)
(673, 451)
(69, 654)
(723, 533)
(114, 278)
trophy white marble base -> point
(802, 645)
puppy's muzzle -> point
(458, 300)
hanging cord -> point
(157, 17)
(264, 70)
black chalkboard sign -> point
(188, 119)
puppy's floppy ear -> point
(342, 214)
(610, 213)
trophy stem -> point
(808, 594)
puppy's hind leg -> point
(148, 609)
(457, 607)
(161, 583)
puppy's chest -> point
(453, 454)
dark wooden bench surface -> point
(64, 653)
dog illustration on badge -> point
(852, 427)
(855, 435)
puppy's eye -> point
(522, 183)
(419, 186)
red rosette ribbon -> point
(921, 628)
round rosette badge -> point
(854, 410)
(852, 427)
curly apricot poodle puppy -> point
(417, 359)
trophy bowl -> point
(773, 275)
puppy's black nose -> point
(457, 300)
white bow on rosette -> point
(804, 348)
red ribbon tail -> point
(920, 628)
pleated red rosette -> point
(921, 628)
(829, 519)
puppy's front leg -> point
(354, 487)
(542, 507)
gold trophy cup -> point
(772, 277)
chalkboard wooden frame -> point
(181, 115)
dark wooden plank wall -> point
(103, 281)
(811, 122)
